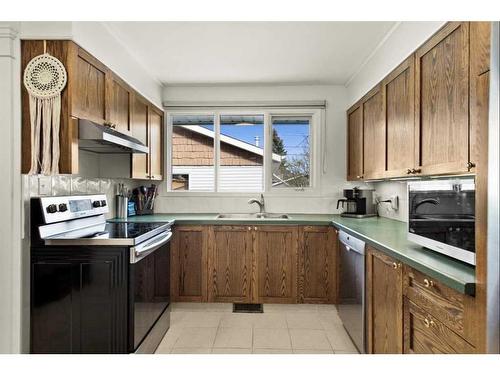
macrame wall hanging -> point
(45, 77)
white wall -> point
(403, 41)
(331, 183)
(10, 191)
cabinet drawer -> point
(425, 334)
(442, 302)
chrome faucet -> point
(261, 203)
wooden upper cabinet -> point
(276, 263)
(119, 104)
(230, 264)
(442, 99)
(373, 134)
(317, 265)
(155, 144)
(384, 298)
(189, 264)
(140, 131)
(355, 143)
(399, 95)
(89, 90)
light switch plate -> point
(44, 185)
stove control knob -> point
(96, 204)
(63, 207)
(51, 208)
(103, 203)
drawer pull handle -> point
(249, 228)
(428, 283)
(395, 265)
(429, 323)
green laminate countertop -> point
(386, 235)
(389, 236)
(200, 219)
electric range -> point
(109, 283)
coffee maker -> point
(357, 203)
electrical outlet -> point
(395, 202)
(44, 185)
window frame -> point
(316, 129)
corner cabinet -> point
(384, 300)
(427, 116)
(96, 93)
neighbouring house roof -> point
(230, 141)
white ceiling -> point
(201, 53)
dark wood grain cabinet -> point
(79, 302)
(384, 303)
(254, 264)
(355, 143)
(230, 263)
(427, 117)
(399, 101)
(189, 250)
(119, 109)
(442, 100)
(317, 264)
(276, 263)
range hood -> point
(101, 139)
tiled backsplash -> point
(387, 189)
(73, 185)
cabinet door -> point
(79, 303)
(276, 264)
(317, 265)
(424, 334)
(119, 104)
(155, 144)
(89, 88)
(355, 143)
(189, 264)
(442, 100)
(140, 130)
(373, 134)
(230, 263)
(384, 297)
(399, 96)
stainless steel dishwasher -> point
(352, 288)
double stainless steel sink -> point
(262, 216)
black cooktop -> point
(124, 230)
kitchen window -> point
(242, 151)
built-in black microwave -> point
(441, 216)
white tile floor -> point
(203, 328)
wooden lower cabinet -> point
(384, 303)
(189, 264)
(254, 264)
(276, 264)
(317, 264)
(424, 334)
(230, 263)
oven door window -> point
(151, 278)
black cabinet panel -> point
(52, 316)
(79, 300)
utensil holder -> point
(121, 207)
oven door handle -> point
(140, 251)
